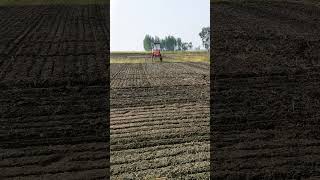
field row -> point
(166, 74)
(272, 122)
(167, 69)
(265, 37)
(46, 120)
(157, 96)
(81, 160)
(54, 92)
(266, 100)
(52, 71)
(159, 120)
(153, 139)
(66, 48)
(58, 29)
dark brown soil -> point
(54, 98)
(265, 77)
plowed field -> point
(54, 98)
(160, 120)
(265, 105)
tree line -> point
(171, 43)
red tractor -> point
(156, 51)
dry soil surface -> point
(266, 98)
(160, 120)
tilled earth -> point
(265, 105)
(54, 98)
(160, 120)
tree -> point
(147, 42)
(162, 44)
(157, 39)
(179, 44)
(152, 41)
(190, 45)
(171, 43)
(205, 36)
(184, 46)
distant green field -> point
(168, 56)
(48, 2)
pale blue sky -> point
(131, 20)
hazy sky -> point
(131, 20)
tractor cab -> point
(156, 51)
